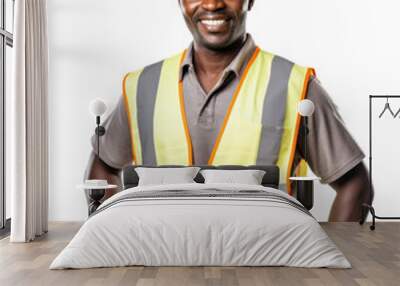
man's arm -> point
(97, 169)
(353, 189)
(335, 157)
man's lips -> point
(214, 24)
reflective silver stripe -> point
(145, 100)
(274, 112)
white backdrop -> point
(354, 46)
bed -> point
(198, 224)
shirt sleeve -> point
(115, 144)
(330, 150)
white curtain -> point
(28, 121)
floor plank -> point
(375, 257)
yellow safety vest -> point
(260, 127)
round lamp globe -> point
(97, 107)
(306, 108)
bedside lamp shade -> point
(97, 107)
(306, 108)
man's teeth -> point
(213, 22)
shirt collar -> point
(236, 66)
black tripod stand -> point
(374, 216)
(367, 207)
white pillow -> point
(247, 177)
(166, 176)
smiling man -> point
(225, 101)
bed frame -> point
(271, 179)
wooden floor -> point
(375, 257)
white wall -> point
(354, 45)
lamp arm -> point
(99, 131)
(305, 137)
(98, 136)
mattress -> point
(201, 225)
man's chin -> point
(216, 44)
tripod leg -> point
(372, 211)
(364, 214)
(372, 227)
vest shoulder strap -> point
(150, 99)
(129, 87)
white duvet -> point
(200, 231)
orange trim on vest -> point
(231, 105)
(128, 112)
(310, 72)
(183, 114)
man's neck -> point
(209, 64)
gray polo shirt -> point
(331, 151)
